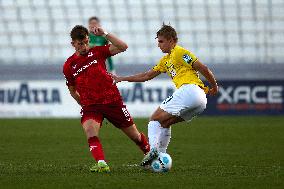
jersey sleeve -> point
(68, 75)
(187, 57)
(160, 67)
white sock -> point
(154, 130)
(103, 161)
(164, 138)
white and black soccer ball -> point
(162, 163)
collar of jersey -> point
(172, 49)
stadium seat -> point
(60, 26)
(39, 3)
(14, 27)
(9, 13)
(5, 40)
(22, 3)
(26, 13)
(44, 27)
(41, 14)
(33, 40)
(58, 13)
(22, 53)
(71, 3)
(7, 54)
(54, 3)
(8, 4)
(29, 28)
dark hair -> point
(94, 18)
(79, 32)
(168, 32)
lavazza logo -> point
(30, 95)
(145, 94)
(251, 94)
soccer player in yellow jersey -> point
(186, 102)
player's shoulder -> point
(181, 50)
(99, 48)
(69, 60)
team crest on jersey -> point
(187, 58)
(90, 54)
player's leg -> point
(165, 135)
(169, 113)
(159, 122)
(118, 115)
(139, 138)
(155, 125)
(187, 108)
(157, 134)
(91, 122)
(91, 128)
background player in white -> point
(187, 101)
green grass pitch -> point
(209, 152)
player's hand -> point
(116, 79)
(97, 31)
(213, 91)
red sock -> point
(96, 148)
(143, 144)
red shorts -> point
(116, 113)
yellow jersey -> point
(178, 65)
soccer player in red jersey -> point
(92, 87)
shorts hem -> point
(174, 114)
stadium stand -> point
(219, 31)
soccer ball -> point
(162, 163)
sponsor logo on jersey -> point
(90, 54)
(84, 67)
(187, 58)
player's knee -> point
(90, 130)
(166, 124)
(158, 117)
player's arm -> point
(206, 72)
(74, 94)
(116, 46)
(140, 77)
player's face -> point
(165, 44)
(94, 23)
(81, 46)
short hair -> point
(79, 32)
(94, 18)
(168, 32)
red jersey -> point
(89, 76)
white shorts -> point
(186, 102)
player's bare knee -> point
(167, 123)
(91, 130)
